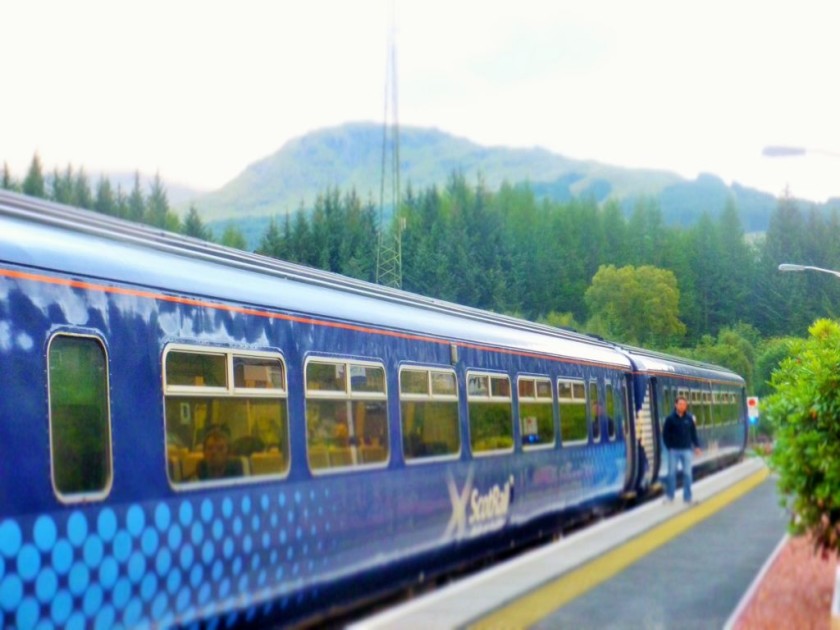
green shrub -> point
(805, 410)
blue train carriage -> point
(193, 433)
(716, 397)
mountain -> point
(350, 157)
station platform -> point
(656, 566)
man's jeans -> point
(684, 456)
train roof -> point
(660, 363)
(91, 245)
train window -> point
(696, 408)
(572, 398)
(346, 414)
(490, 413)
(536, 412)
(477, 385)
(326, 377)
(192, 369)
(429, 413)
(226, 415)
(80, 423)
(258, 373)
(597, 411)
(722, 407)
(734, 407)
(611, 411)
(444, 383)
(667, 405)
(414, 382)
(623, 409)
(707, 407)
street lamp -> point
(792, 267)
(785, 151)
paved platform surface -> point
(657, 566)
(694, 581)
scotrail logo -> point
(473, 511)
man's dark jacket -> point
(679, 432)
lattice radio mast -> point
(389, 247)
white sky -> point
(198, 90)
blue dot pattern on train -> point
(161, 563)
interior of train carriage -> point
(711, 404)
(218, 429)
(346, 414)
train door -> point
(618, 407)
(645, 434)
(665, 402)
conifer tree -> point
(105, 202)
(33, 184)
(300, 239)
(7, 181)
(82, 196)
(61, 186)
(157, 205)
(272, 241)
(136, 203)
(121, 203)
(195, 227)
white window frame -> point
(228, 391)
(536, 400)
(573, 400)
(349, 396)
(489, 398)
(430, 396)
(610, 392)
(593, 421)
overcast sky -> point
(199, 90)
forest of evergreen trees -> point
(704, 291)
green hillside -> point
(350, 156)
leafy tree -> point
(770, 355)
(232, 237)
(33, 183)
(805, 410)
(195, 227)
(172, 222)
(733, 348)
(560, 320)
(637, 305)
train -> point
(196, 436)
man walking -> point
(680, 434)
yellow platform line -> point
(532, 608)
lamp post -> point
(786, 151)
(792, 267)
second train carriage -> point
(716, 397)
(369, 435)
